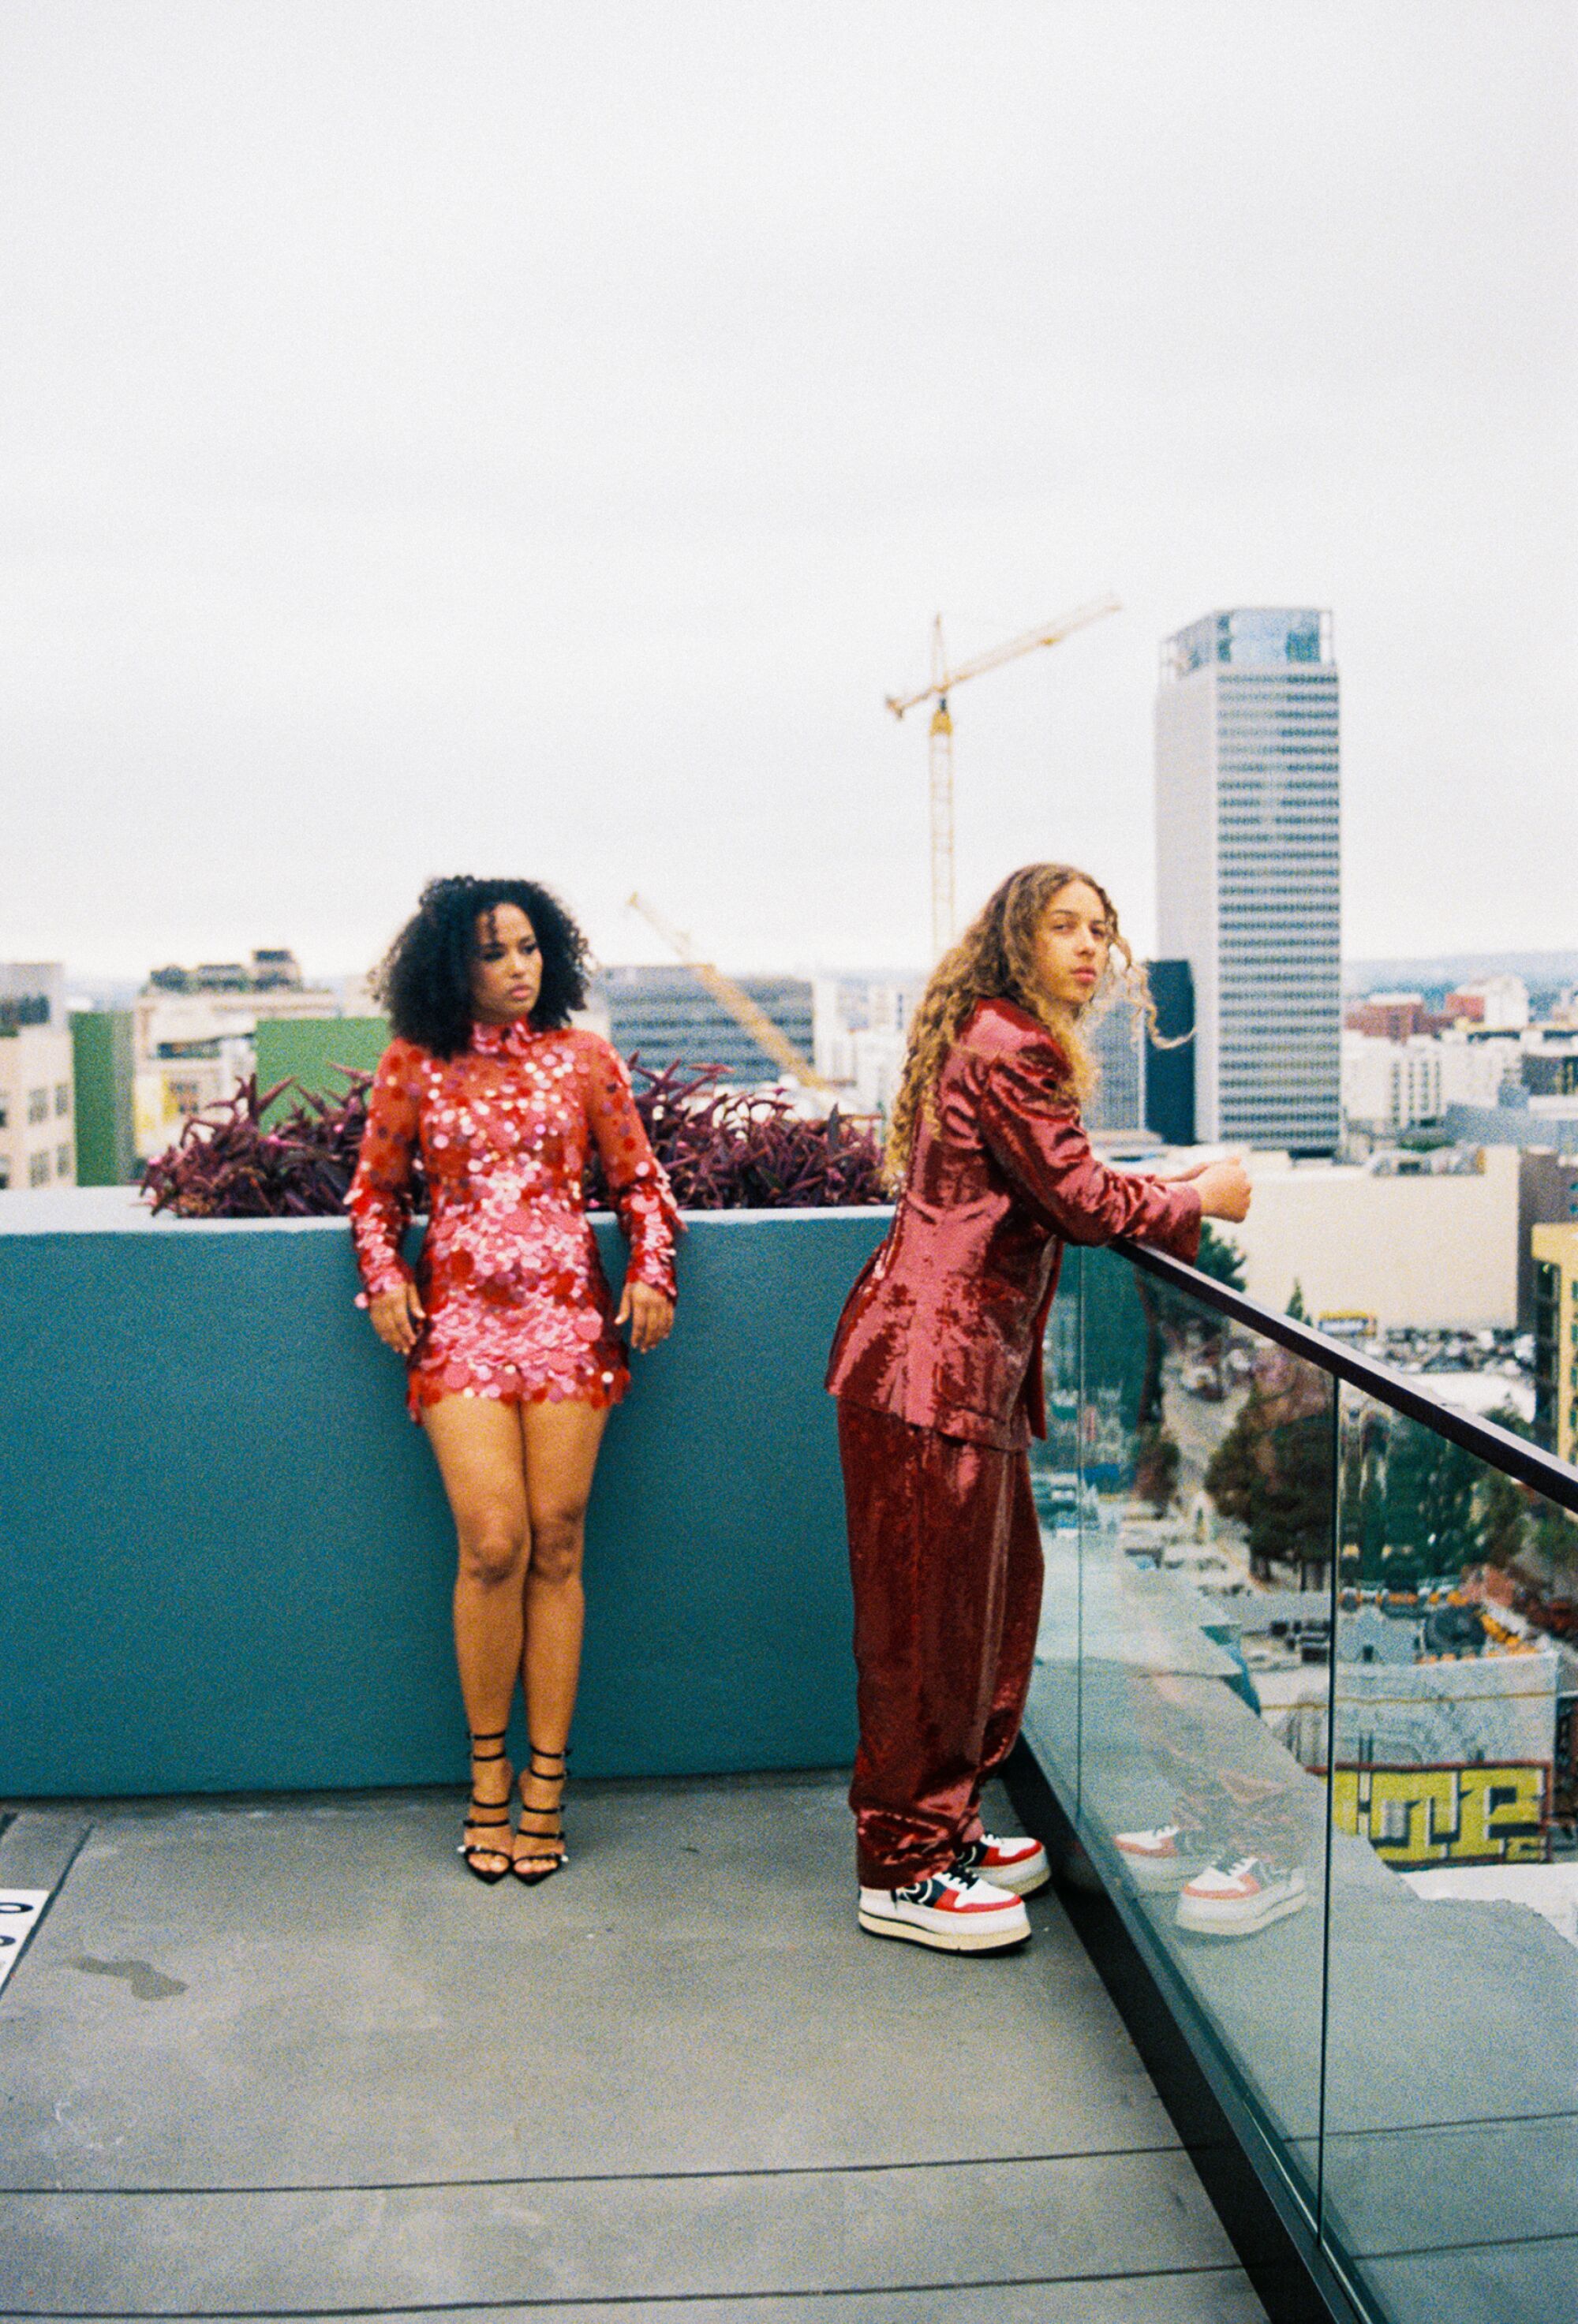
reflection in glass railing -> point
(1334, 1801)
(1451, 2084)
(1057, 1486)
(1196, 1533)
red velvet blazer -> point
(944, 1326)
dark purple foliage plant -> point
(232, 1162)
(723, 1150)
(735, 1150)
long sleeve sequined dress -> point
(518, 1307)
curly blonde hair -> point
(995, 960)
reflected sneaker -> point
(952, 1911)
(1020, 1866)
(1163, 1859)
(1234, 1897)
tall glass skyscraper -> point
(1247, 878)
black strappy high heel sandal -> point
(541, 1860)
(495, 1817)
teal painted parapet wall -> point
(226, 1560)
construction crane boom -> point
(739, 1004)
(944, 680)
(940, 742)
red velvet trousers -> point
(945, 1553)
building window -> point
(62, 1097)
(62, 1161)
(38, 1170)
(38, 1106)
(1547, 1296)
(5, 1114)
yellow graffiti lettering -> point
(1345, 1800)
(1413, 1813)
(1503, 1810)
(1437, 1815)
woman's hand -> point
(398, 1317)
(1224, 1189)
(649, 1316)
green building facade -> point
(307, 1050)
(102, 1066)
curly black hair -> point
(424, 980)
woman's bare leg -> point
(477, 1444)
(560, 1443)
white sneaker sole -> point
(1202, 1921)
(1150, 1878)
(958, 1939)
(1036, 1875)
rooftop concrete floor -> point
(281, 2057)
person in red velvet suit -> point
(936, 1366)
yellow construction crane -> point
(940, 752)
(739, 1005)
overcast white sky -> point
(468, 436)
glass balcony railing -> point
(1306, 1687)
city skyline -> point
(445, 440)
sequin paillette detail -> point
(518, 1305)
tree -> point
(1295, 1306)
(1272, 1471)
(1503, 1519)
(1417, 1506)
(1556, 1537)
(1155, 1469)
(1430, 1515)
(1221, 1258)
(1504, 1506)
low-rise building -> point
(1436, 1248)
(862, 1028)
(38, 1142)
(1390, 1016)
(1555, 1338)
(316, 1054)
(1516, 1120)
(1440, 1727)
(1504, 1001)
(105, 1064)
(1548, 1062)
(1548, 1196)
(193, 1035)
(1392, 1085)
(667, 1017)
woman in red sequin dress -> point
(510, 1334)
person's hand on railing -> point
(398, 1316)
(1225, 1190)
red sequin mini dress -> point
(518, 1307)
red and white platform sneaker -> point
(1234, 1897)
(1018, 1865)
(952, 1911)
(1162, 1858)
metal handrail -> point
(1514, 1456)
